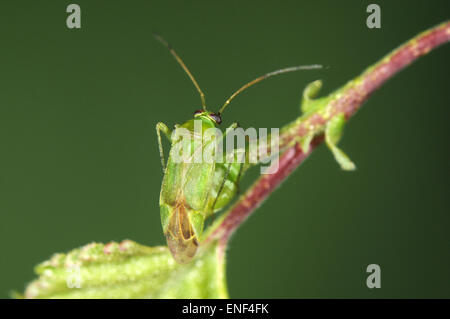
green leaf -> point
(129, 270)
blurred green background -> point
(80, 163)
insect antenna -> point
(267, 75)
(175, 55)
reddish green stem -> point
(346, 100)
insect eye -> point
(198, 112)
(216, 117)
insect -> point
(191, 191)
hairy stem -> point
(347, 100)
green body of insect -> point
(191, 191)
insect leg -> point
(222, 184)
(232, 126)
(238, 179)
(161, 127)
(227, 173)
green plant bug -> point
(192, 191)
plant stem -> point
(347, 100)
